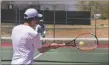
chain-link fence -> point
(51, 15)
(61, 18)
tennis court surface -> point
(64, 55)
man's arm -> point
(44, 48)
(47, 47)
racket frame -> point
(77, 37)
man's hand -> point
(55, 45)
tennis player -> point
(25, 39)
(41, 29)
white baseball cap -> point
(30, 13)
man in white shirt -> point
(25, 39)
(41, 29)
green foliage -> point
(96, 6)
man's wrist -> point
(47, 45)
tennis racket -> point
(84, 42)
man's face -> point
(34, 23)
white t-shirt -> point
(24, 40)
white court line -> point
(38, 55)
(105, 39)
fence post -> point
(54, 22)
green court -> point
(65, 56)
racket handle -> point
(70, 44)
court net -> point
(56, 40)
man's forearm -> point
(47, 47)
(44, 48)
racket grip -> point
(70, 44)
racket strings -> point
(86, 42)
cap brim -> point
(40, 15)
